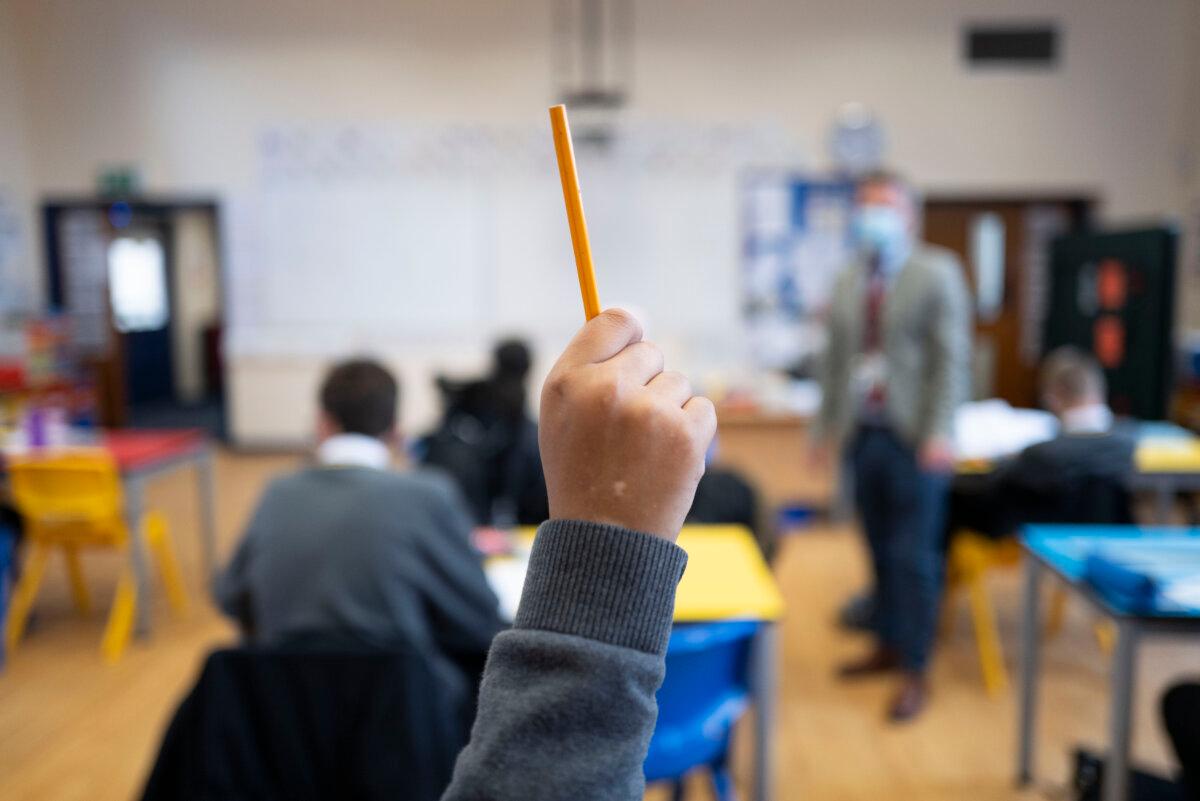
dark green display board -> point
(1113, 294)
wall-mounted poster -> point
(796, 237)
(1112, 294)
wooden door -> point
(1009, 311)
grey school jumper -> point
(384, 555)
(566, 708)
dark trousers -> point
(1181, 717)
(902, 510)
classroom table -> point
(1061, 550)
(726, 579)
(142, 455)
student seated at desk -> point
(567, 704)
(488, 443)
(350, 547)
(1077, 477)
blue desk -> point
(1062, 550)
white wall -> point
(1188, 308)
(183, 89)
(17, 274)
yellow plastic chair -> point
(73, 502)
(971, 556)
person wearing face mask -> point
(896, 367)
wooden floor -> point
(72, 728)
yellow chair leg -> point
(1106, 635)
(946, 615)
(987, 639)
(24, 595)
(159, 539)
(1057, 614)
(79, 588)
(120, 619)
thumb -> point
(601, 338)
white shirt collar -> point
(354, 450)
(1094, 418)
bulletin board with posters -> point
(795, 240)
(1112, 294)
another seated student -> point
(350, 547)
(1076, 477)
(725, 496)
(488, 443)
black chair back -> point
(312, 722)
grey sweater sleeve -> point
(566, 707)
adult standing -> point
(896, 367)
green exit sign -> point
(119, 181)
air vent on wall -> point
(1008, 45)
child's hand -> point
(622, 441)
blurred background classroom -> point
(205, 205)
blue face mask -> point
(881, 232)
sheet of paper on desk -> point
(507, 578)
(991, 429)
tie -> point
(873, 339)
(876, 289)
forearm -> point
(567, 706)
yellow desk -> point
(726, 579)
(1169, 456)
(1167, 466)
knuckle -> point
(652, 350)
(638, 413)
(603, 393)
(557, 386)
(681, 381)
(676, 433)
(619, 318)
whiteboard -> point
(354, 237)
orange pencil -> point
(570, 187)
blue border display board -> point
(796, 238)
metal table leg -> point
(134, 502)
(764, 684)
(206, 489)
(1030, 643)
(1116, 771)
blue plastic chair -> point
(705, 692)
(8, 548)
